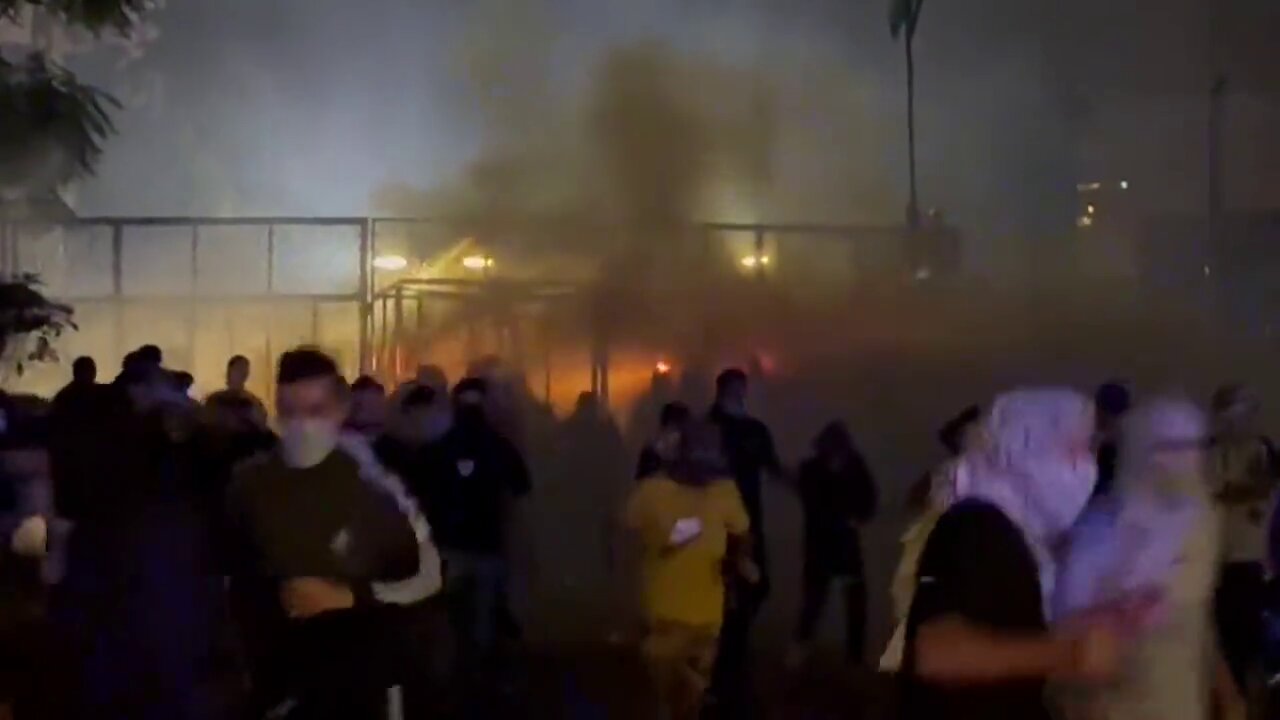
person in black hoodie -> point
(749, 448)
(839, 496)
(310, 539)
(477, 477)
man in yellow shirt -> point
(693, 528)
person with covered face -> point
(694, 530)
(978, 642)
(1244, 472)
(839, 497)
(477, 480)
(311, 541)
(1156, 532)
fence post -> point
(366, 295)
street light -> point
(390, 262)
(477, 262)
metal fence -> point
(206, 288)
(202, 289)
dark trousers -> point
(730, 680)
(1238, 608)
(339, 665)
(815, 590)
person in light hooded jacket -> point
(1156, 532)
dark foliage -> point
(41, 101)
(43, 108)
(30, 322)
(93, 15)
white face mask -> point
(306, 442)
(1064, 491)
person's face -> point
(970, 436)
(470, 405)
(311, 399)
(1179, 457)
(667, 443)
(237, 375)
(733, 398)
(368, 407)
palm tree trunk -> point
(913, 203)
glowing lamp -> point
(477, 262)
(390, 262)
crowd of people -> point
(352, 553)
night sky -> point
(309, 106)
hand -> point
(1126, 615)
(1094, 654)
(31, 538)
(307, 597)
(749, 571)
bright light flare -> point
(754, 261)
(477, 262)
(390, 262)
(662, 367)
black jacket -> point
(835, 502)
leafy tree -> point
(54, 124)
(53, 130)
(29, 323)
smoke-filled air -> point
(880, 212)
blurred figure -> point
(977, 643)
(477, 480)
(695, 533)
(1157, 532)
(1112, 402)
(151, 356)
(184, 381)
(313, 539)
(136, 603)
(415, 608)
(402, 446)
(1244, 469)
(368, 414)
(647, 411)
(84, 371)
(838, 496)
(748, 447)
(657, 455)
(29, 537)
(236, 399)
(84, 375)
(955, 436)
(928, 499)
(427, 419)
